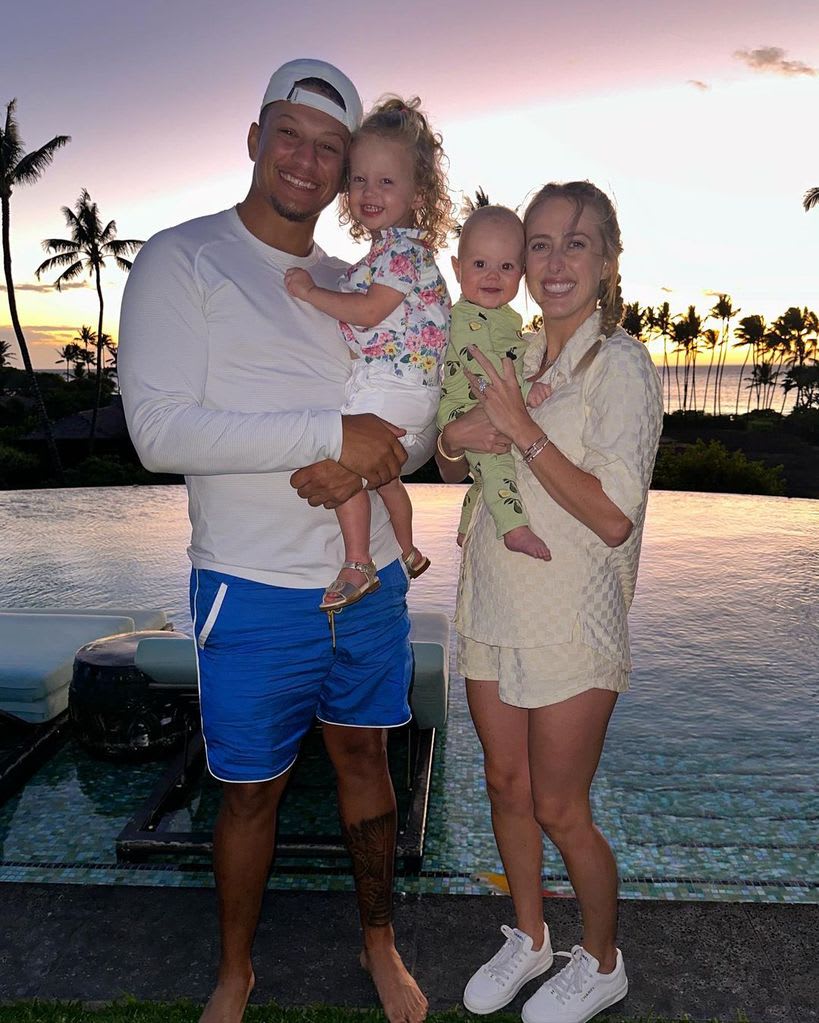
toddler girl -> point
(393, 312)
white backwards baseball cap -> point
(282, 86)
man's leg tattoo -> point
(371, 845)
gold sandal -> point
(416, 563)
(349, 593)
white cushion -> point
(38, 650)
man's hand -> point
(326, 483)
(370, 448)
(299, 283)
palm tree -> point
(811, 199)
(799, 332)
(5, 354)
(710, 339)
(686, 332)
(20, 168)
(751, 332)
(634, 321)
(85, 252)
(67, 354)
(723, 310)
(658, 322)
(87, 337)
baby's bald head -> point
(489, 264)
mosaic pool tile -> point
(697, 824)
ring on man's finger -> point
(483, 383)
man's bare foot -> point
(523, 540)
(460, 539)
(401, 998)
(228, 1002)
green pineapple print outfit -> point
(496, 333)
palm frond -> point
(59, 244)
(124, 246)
(123, 264)
(32, 165)
(811, 199)
(57, 262)
(70, 274)
(108, 233)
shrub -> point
(17, 469)
(804, 422)
(712, 468)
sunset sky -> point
(698, 118)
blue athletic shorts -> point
(267, 667)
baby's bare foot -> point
(524, 541)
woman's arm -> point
(577, 492)
(362, 309)
(470, 432)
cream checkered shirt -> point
(607, 419)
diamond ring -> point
(483, 383)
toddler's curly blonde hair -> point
(403, 121)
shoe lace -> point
(503, 964)
(574, 977)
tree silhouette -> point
(811, 199)
(20, 168)
(85, 252)
(752, 331)
(658, 322)
(723, 309)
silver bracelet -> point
(534, 449)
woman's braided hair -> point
(582, 194)
(403, 121)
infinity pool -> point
(708, 785)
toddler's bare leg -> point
(523, 540)
(354, 520)
(399, 507)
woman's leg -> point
(565, 743)
(503, 732)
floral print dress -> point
(410, 343)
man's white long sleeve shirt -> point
(233, 383)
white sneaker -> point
(497, 982)
(578, 992)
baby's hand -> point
(538, 394)
(299, 283)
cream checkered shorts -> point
(539, 676)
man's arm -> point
(328, 483)
(162, 366)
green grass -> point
(130, 1011)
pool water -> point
(708, 784)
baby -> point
(488, 267)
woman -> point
(544, 645)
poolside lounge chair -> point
(37, 648)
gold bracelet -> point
(534, 449)
(443, 453)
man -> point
(227, 379)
